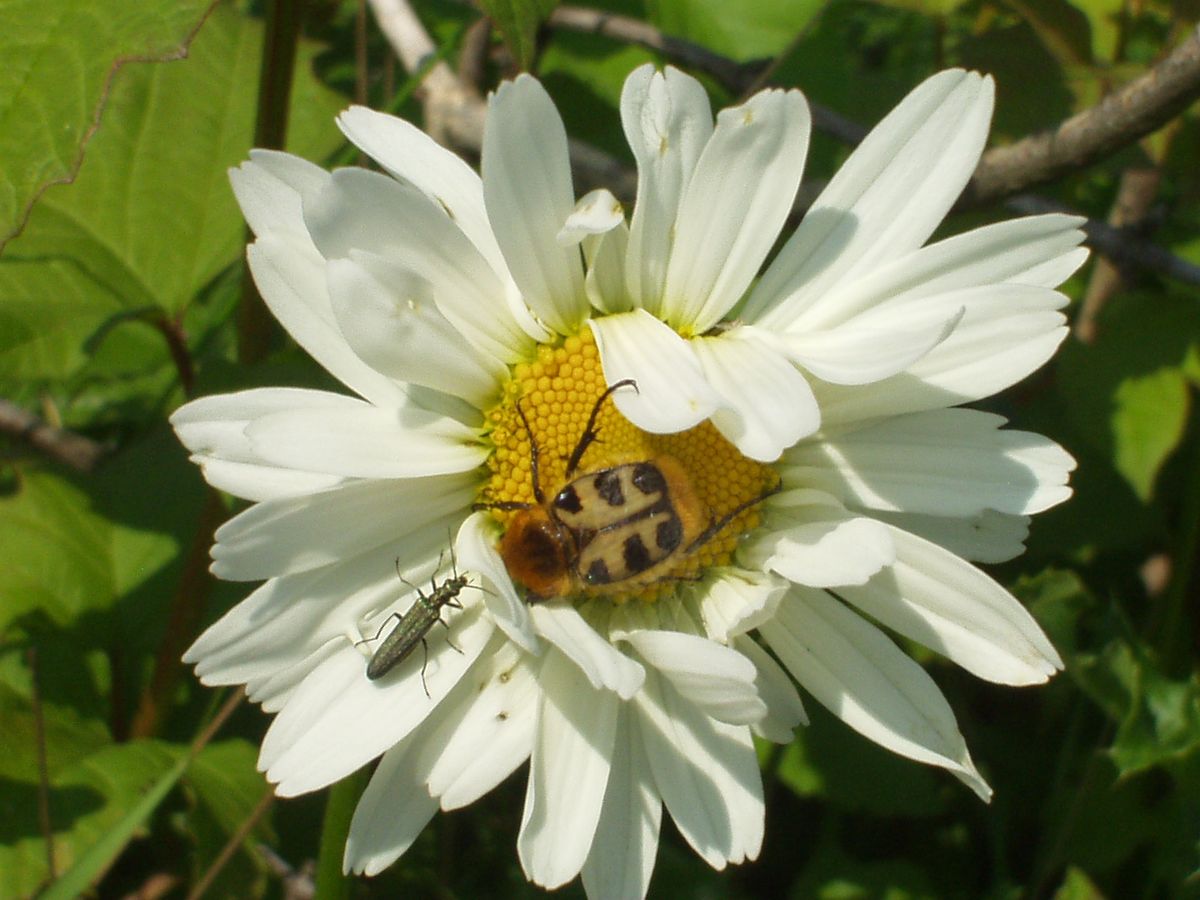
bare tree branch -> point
(1124, 116)
(453, 112)
(70, 449)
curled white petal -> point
(672, 393)
(477, 552)
(603, 664)
(718, 680)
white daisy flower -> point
(665, 478)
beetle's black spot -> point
(597, 573)
(668, 534)
(568, 500)
(648, 478)
(608, 486)
(637, 557)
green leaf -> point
(134, 778)
(518, 21)
(224, 788)
(61, 59)
(1149, 419)
(92, 784)
(76, 546)
(760, 28)
(150, 220)
(830, 761)
(1126, 393)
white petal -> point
(605, 282)
(389, 316)
(887, 198)
(527, 188)
(818, 543)
(1007, 332)
(601, 663)
(273, 691)
(476, 546)
(626, 841)
(720, 681)
(667, 121)
(268, 188)
(292, 285)
(937, 599)
(766, 404)
(864, 680)
(989, 537)
(597, 212)
(1040, 251)
(289, 617)
(568, 773)
(391, 812)
(785, 710)
(256, 483)
(945, 462)
(338, 720)
(408, 153)
(673, 394)
(215, 426)
(373, 214)
(492, 730)
(295, 534)
(706, 772)
(854, 354)
(367, 442)
(739, 197)
(738, 600)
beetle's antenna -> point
(589, 431)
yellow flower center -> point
(648, 520)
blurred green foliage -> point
(121, 289)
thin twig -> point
(1131, 209)
(62, 446)
(187, 609)
(732, 74)
(39, 735)
(1121, 245)
(231, 846)
(227, 709)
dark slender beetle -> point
(415, 624)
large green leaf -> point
(61, 58)
(78, 546)
(92, 785)
(150, 220)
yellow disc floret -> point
(704, 478)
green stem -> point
(280, 40)
(339, 809)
